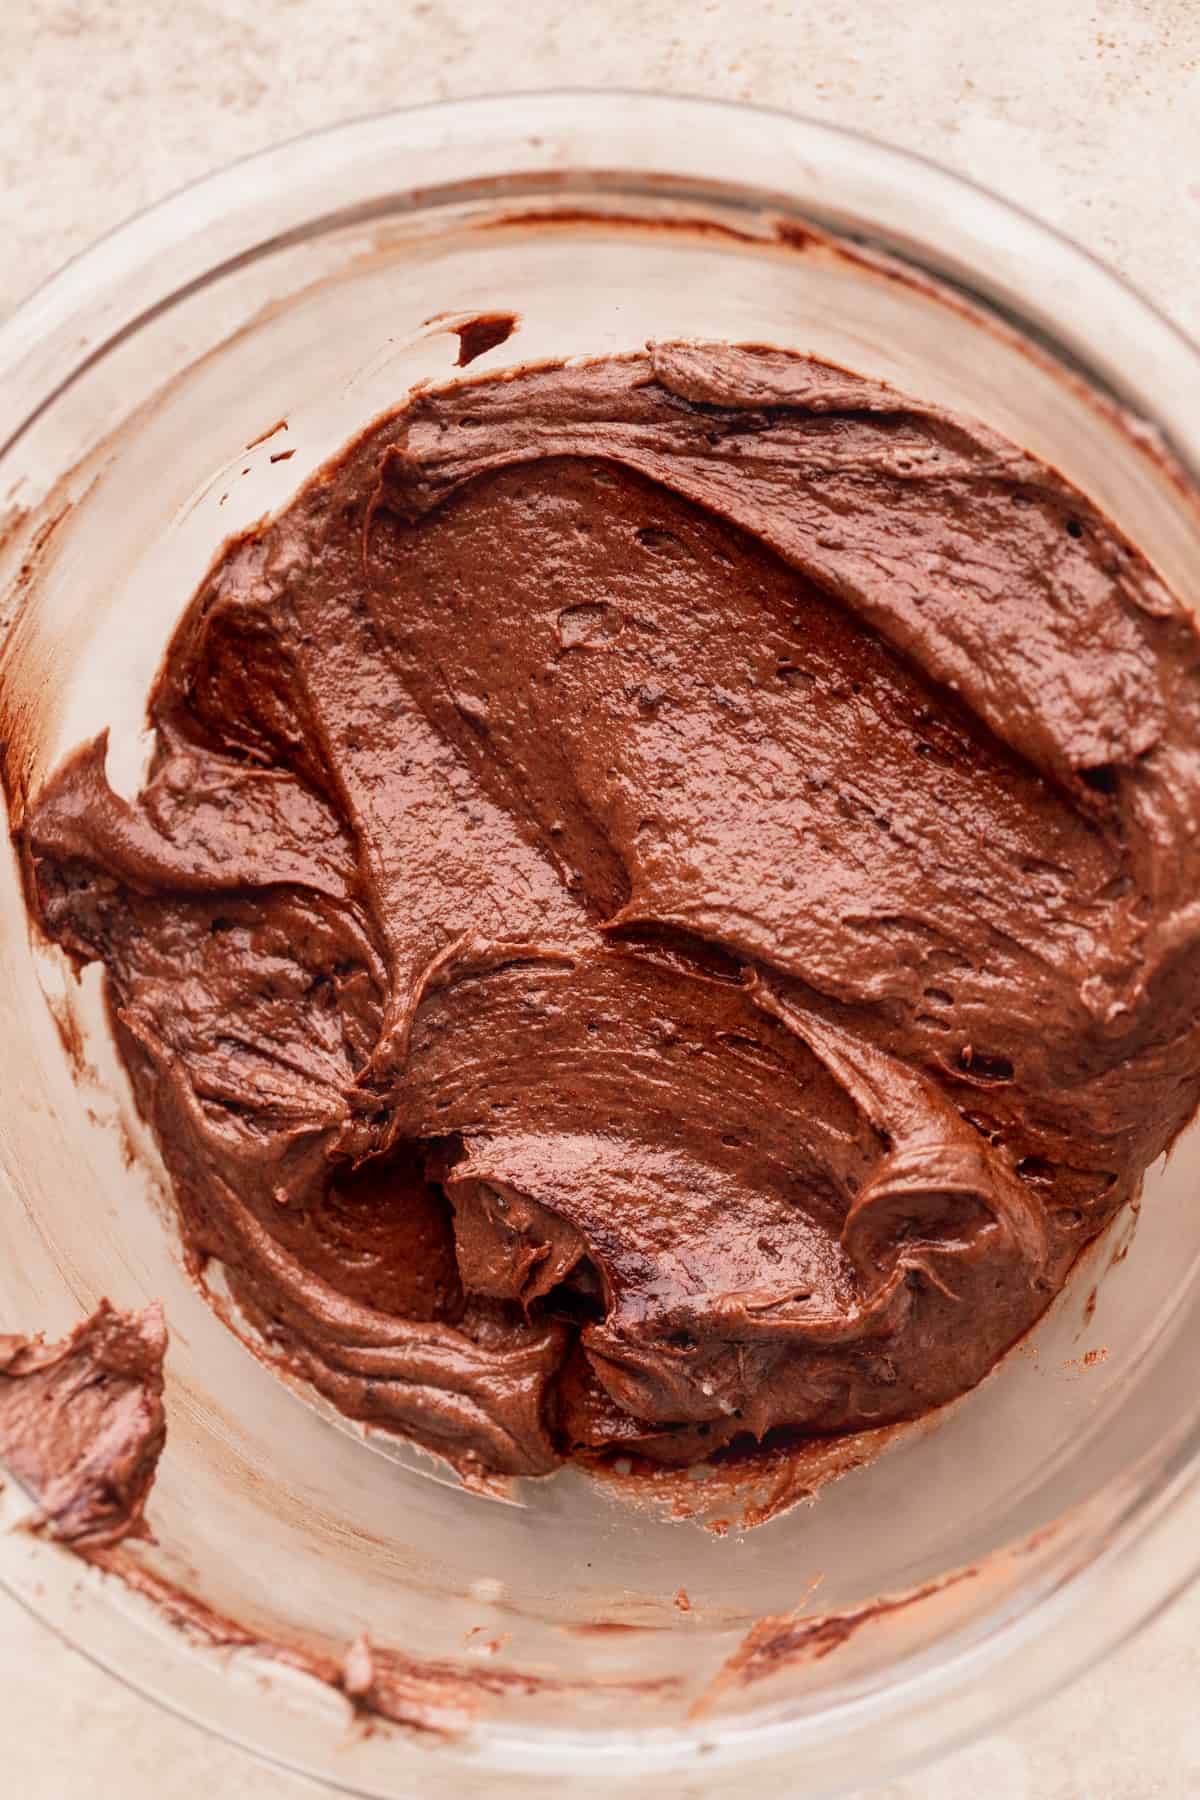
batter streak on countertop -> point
(662, 908)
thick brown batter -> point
(663, 906)
(82, 1424)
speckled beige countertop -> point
(1088, 113)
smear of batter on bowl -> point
(82, 1424)
(786, 1641)
(662, 909)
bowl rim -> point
(177, 245)
(166, 224)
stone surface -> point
(1087, 113)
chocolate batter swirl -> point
(662, 907)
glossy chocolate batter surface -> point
(662, 907)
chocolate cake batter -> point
(82, 1424)
(663, 906)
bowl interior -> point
(269, 1507)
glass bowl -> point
(1031, 1525)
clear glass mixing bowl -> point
(303, 286)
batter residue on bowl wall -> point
(82, 1424)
